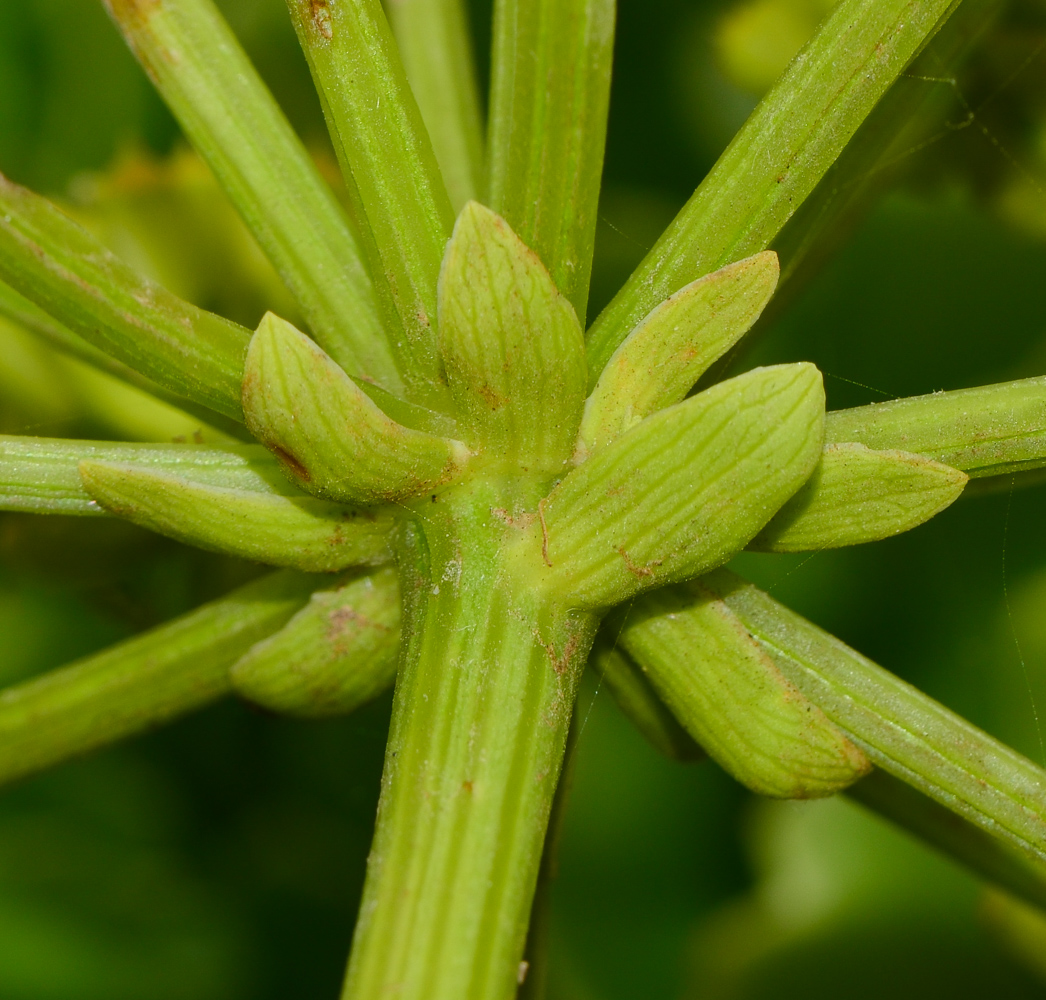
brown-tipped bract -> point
(331, 438)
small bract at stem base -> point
(483, 703)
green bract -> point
(732, 698)
(671, 349)
(334, 655)
(858, 495)
(302, 532)
(444, 407)
(330, 437)
(512, 347)
(681, 492)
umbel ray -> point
(480, 492)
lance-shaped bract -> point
(857, 495)
(233, 500)
(729, 695)
(389, 167)
(682, 491)
(143, 681)
(638, 700)
(901, 729)
(64, 270)
(330, 437)
(548, 117)
(220, 101)
(512, 346)
(663, 357)
(336, 654)
(986, 431)
(302, 532)
(436, 48)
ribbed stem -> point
(142, 682)
(480, 719)
(902, 730)
(436, 49)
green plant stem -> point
(909, 115)
(532, 974)
(142, 682)
(434, 43)
(775, 161)
(901, 729)
(989, 857)
(64, 270)
(990, 430)
(22, 312)
(390, 169)
(548, 117)
(220, 101)
(483, 703)
(42, 475)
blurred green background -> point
(222, 858)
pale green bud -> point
(512, 346)
(336, 654)
(858, 495)
(670, 350)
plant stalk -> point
(779, 156)
(482, 709)
(902, 730)
(142, 682)
(227, 112)
(434, 43)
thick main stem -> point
(480, 719)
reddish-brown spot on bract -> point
(287, 459)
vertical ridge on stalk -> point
(550, 91)
(390, 168)
(434, 43)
